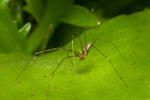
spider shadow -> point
(85, 69)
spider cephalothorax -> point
(84, 52)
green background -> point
(34, 25)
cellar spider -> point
(83, 53)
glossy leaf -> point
(36, 8)
(10, 39)
(80, 16)
(95, 78)
(4, 4)
(25, 29)
(54, 10)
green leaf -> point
(10, 39)
(109, 8)
(80, 16)
(25, 29)
(4, 4)
(16, 9)
(53, 12)
(95, 78)
(36, 8)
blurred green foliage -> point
(28, 26)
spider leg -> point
(112, 66)
(73, 55)
(69, 58)
(45, 51)
(113, 45)
(53, 49)
(80, 43)
(60, 64)
(47, 90)
(35, 54)
(85, 38)
(21, 72)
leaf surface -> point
(10, 39)
(95, 78)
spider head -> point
(81, 58)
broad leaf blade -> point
(36, 8)
(80, 16)
(10, 39)
(4, 4)
(53, 12)
(95, 78)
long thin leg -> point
(35, 54)
(69, 58)
(113, 45)
(98, 23)
(50, 50)
(47, 90)
(60, 64)
(74, 66)
(21, 72)
(54, 73)
(85, 38)
(73, 54)
(98, 4)
(81, 43)
(76, 53)
(45, 51)
(111, 65)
